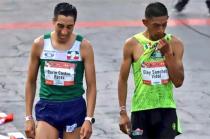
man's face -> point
(64, 26)
(156, 27)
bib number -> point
(154, 73)
(59, 73)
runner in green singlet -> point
(156, 60)
(62, 56)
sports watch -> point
(90, 119)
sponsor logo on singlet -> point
(72, 55)
(49, 54)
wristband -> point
(122, 109)
(90, 119)
(28, 118)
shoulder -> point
(133, 47)
(177, 46)
(176, 43)
(130, 44)
(86, 48)
(37, 46)
(85, 44)
(39, 41)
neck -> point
(62, 45)
(148, 36)
(151, 37)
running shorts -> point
(161, 123)
(64, 116)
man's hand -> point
(30, 129)
(164, 47)
(86, 130)
(125, 124)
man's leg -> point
(45, 131)
(140, 125)
(73, 135)
(169, 128)
(181, 4)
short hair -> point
(156, 9)
(65, 9)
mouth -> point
(62, 37)
(159, 36)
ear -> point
(145, 22)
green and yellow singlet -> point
(153, 89)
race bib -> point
(59, 73)
(154, 73)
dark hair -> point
(65, 9)
(156, 9)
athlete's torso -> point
(153, 89)
(61, 71)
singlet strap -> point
(79, 38)
(47, 35)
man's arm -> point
(124, 73)
(173, 60)
(122, 84)
(30, 88)
(90, 76)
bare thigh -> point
(73, 135)
(45, 131)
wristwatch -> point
(90, 119)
